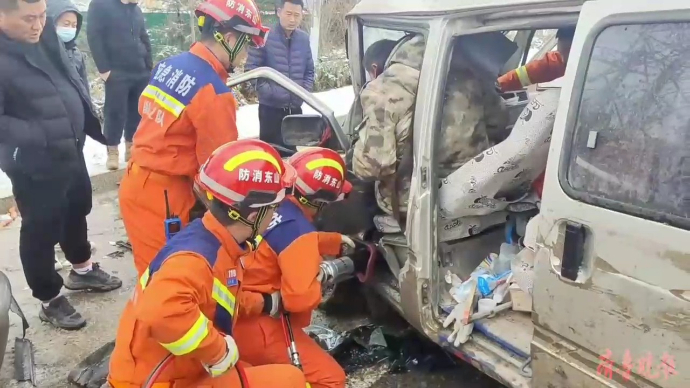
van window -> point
(631, 146)
(373, 34)
(541, 38)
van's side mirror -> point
(303, 130)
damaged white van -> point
(602, 293)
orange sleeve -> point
(169, 306)
(299, 266)
(215, 121)
(546, 69)
(251, 304)
(330, 243)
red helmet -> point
(241, 15)
(242, 177)
(321, 174)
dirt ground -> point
(57, 351)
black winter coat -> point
(118, 38)
(37, 135)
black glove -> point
(272, 304)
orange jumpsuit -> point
(184, 303)
(187, 112)
(288, 260)
(546, 69)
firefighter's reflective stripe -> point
(224, 297)
(191, 340)
(144, 280)
(164, 100)
(197, 239)
(226, 300)
(523, 76)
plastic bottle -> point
(502, 264)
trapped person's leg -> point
(85, 275)
(40, 204)
(133, 116)
(114, 113)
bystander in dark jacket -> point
(121, 49)
(291, 57)
(288, 51)
(45, 115)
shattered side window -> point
(632, 135)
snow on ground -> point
(339, 100)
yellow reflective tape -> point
(223, 297)
(248, 156)
(523, 76)
(164, 100)
(323, 162)
(191, 340)
(144, 280)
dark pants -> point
(121, 110)
(270, 121)
(53, 211)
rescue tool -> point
(290, 341)
(173, 223)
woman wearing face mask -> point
(68, 22)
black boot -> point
(94, 280)
(61, 314)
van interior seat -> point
(474, 197)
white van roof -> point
(434, 7)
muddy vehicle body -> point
(610, 244)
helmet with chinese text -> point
(243, 177)
(320, 176)
(241, 16)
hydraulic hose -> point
(165, 363)
(157, 371)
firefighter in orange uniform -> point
(187, 111)
(185, 304)
(287, 264)
(547, 69)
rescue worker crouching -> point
(187, 300)
(287, 264)
(187, 112)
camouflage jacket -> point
(387, 109)
(474, 118)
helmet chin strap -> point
(304, 201)
(254, 239)
(242, 39)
